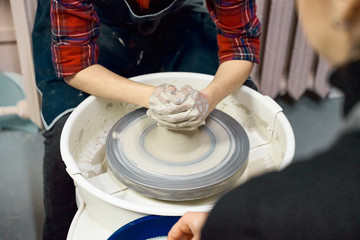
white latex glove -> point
(178, 110)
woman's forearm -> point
(228, 78)
(99, 81)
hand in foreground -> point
(178, 110)
(188, 227)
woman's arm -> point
(229, 77)
(239, 45)
(75, 29)
(99, 81)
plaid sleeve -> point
(238, 29)
(75, 28)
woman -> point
(315, 199)
(84, 47)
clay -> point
(177, 165)
(159, 150)
(176, 146)
(178, 110)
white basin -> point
(105, 204)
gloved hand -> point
(178, 110)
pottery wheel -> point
(177, 165)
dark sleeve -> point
(314, 199)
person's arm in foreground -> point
(188, 227)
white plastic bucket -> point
(109, 205)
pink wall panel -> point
(288, 63)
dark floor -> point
(314, 122)
(21, 185)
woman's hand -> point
(178, 110)
(188, 227)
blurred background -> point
(290, 72)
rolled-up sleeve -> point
(75, 28)
(238, 29)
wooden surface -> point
(9, 58)
(23, 39)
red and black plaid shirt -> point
(76, 27)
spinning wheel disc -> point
(171, 165)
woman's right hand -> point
(188, 227)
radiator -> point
(288, 64)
